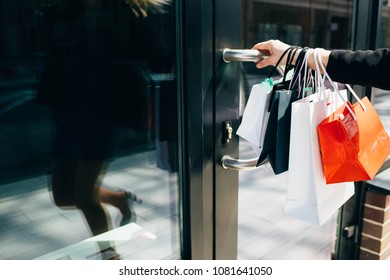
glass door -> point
(89, 130)
(245, 207)
(264, 232)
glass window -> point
(381, 97)
(87, 129)
(264, 232)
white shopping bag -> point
(309, 198)
(255, 117)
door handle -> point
(238, 164)
(243, 55)
(240, 55)
(229, 162)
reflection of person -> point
(141, 7)
(76, 84)
(366, 68)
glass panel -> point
(264, 232)
(381, 97)
(88, 114)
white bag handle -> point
(337, 90)
(320, 79)
(297, 72)
(356, 97)
(306, 75)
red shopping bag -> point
(353, 143)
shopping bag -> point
(277, 136)
(277, 139)
(255, 118)
(353, 142)
(309, 197)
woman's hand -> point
(275, 48)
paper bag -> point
(255, 117)
(309, 198)
(353, 142)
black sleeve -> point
(366, 68)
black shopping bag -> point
(277, 136)
(276, 147)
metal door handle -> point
(243, 55)
(238, 164)
(229, 162)
(229, 55)
(240, 55)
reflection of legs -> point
(62, 182)
(87, 196)
(118, 199)
(123, 200)
(115, 198)
(74, 183)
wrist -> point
(323, 55)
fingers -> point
(263, 63)
(264, 47)
(275, 48)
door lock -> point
(228, 132)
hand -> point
(275, 48)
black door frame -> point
(196, 32)
(208, 88)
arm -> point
(276, 48)
(366, 68)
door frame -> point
(207, 89)
(196, 137)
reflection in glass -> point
(88, 99)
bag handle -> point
(307, 76)
(298, 69)
(289, 64)
(320, 79)
(356, 97)
(304, 81)
(337, 90)
(288, 50)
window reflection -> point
(88, 103)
